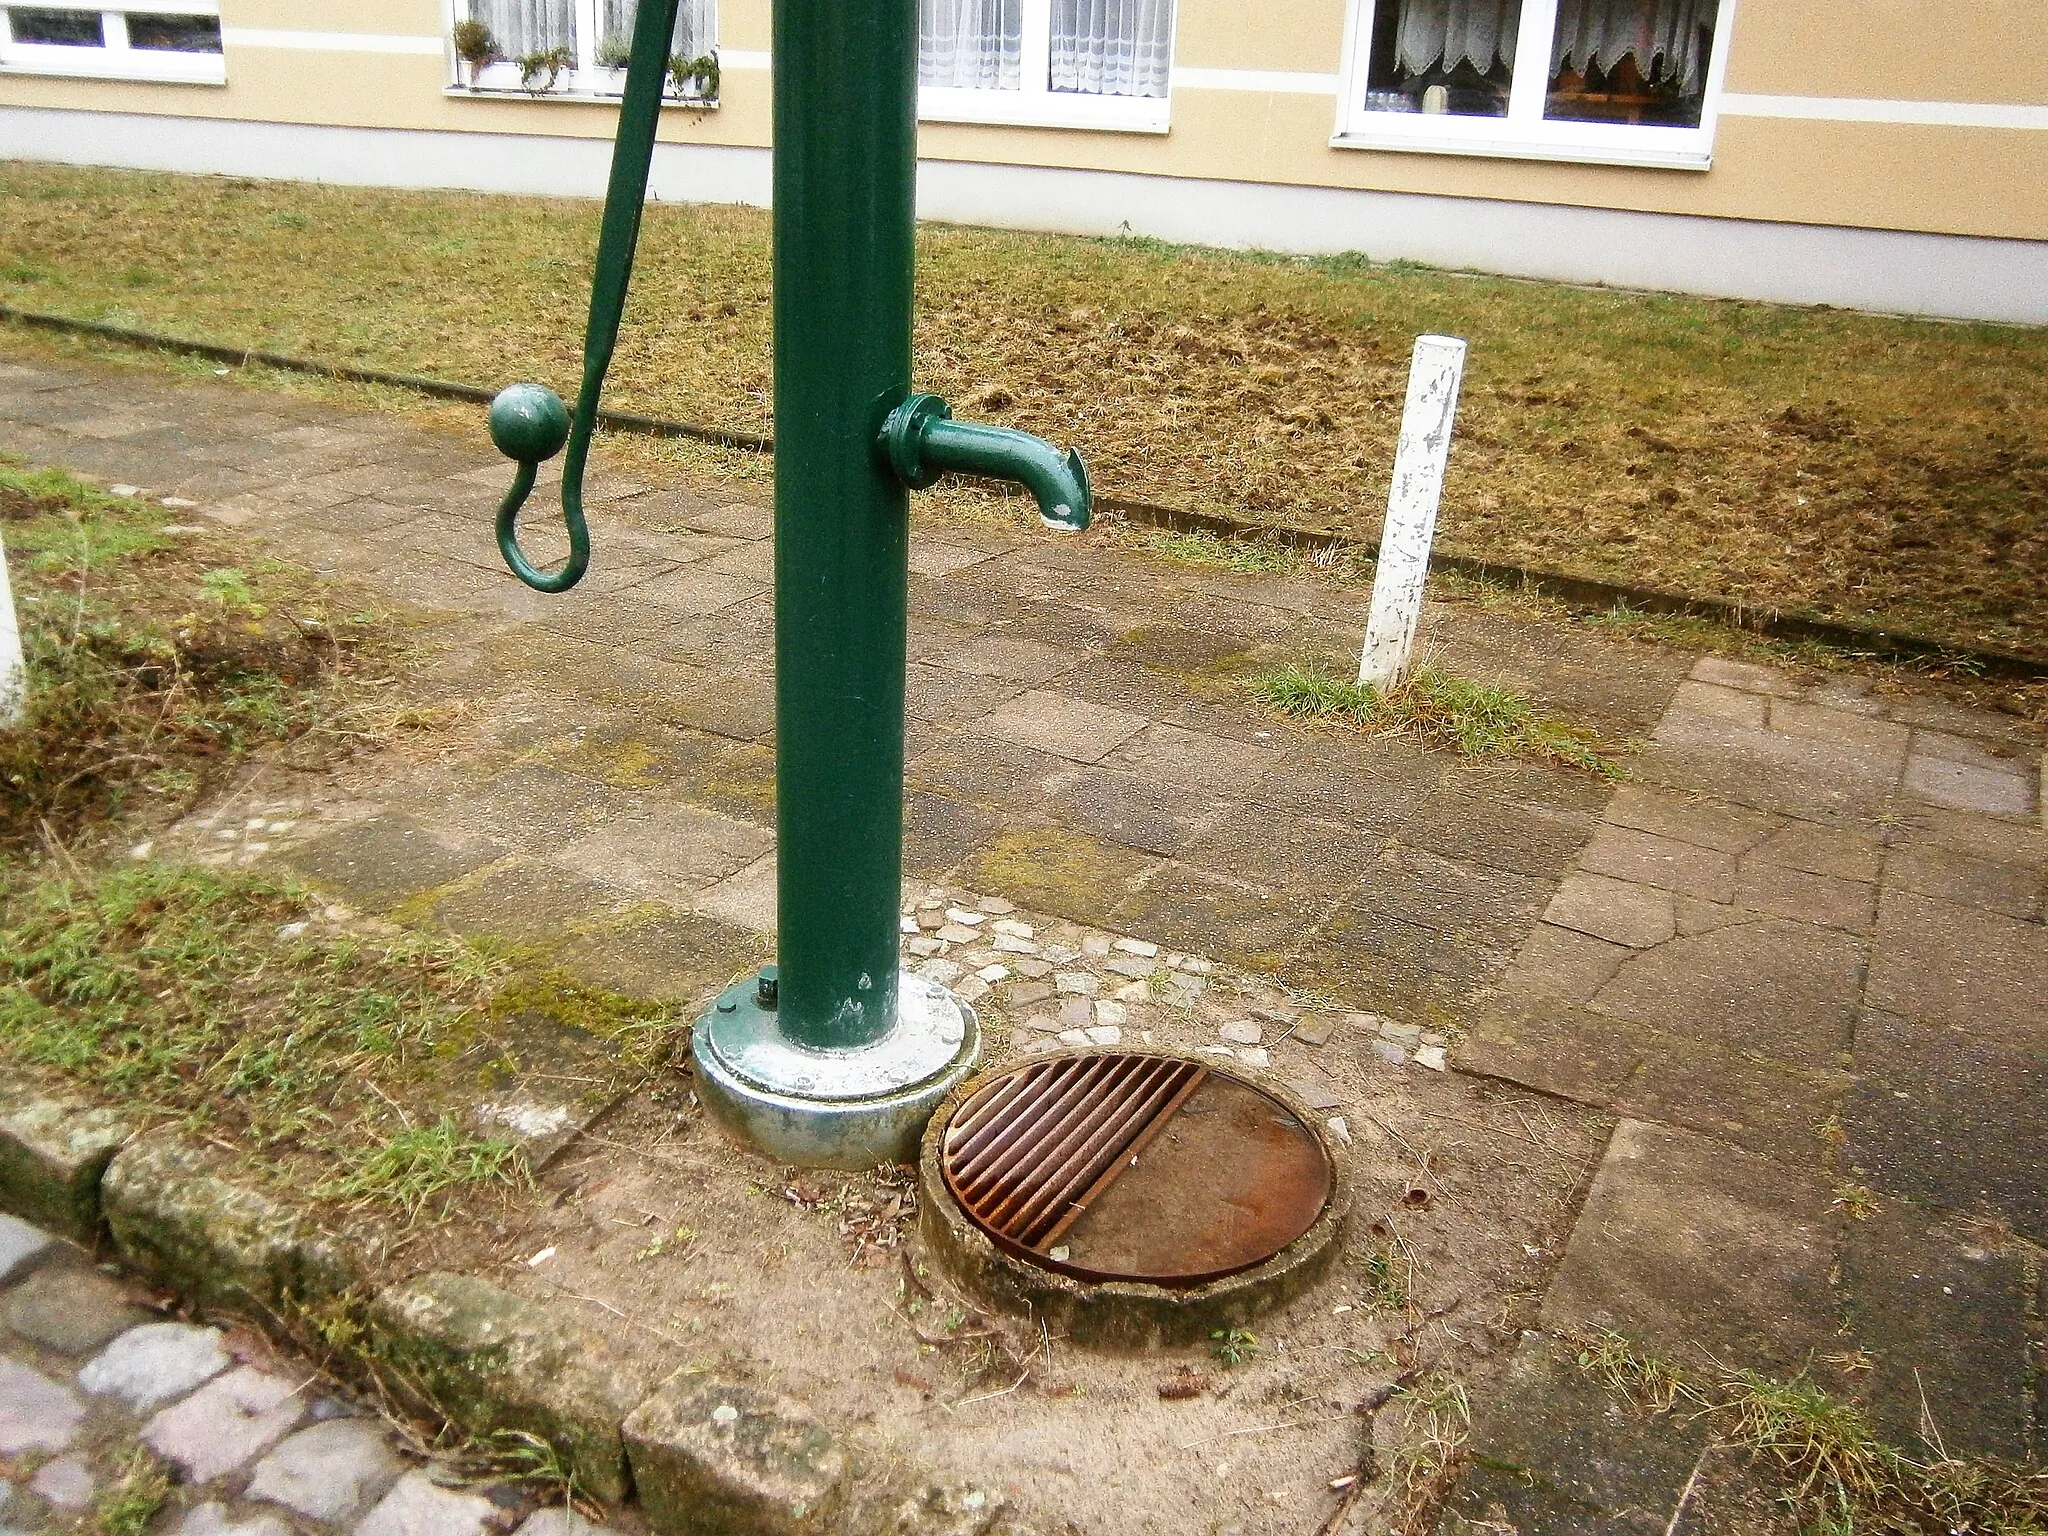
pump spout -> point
(922, 442)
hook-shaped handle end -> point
(529, 423)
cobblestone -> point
(226, 1424)
(155, 1363)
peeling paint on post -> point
(1419, 460)
(13, 675)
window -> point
(1626, 81)
(1060, 63)
(148, 40)
(579, 47)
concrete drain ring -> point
(1133, 1197)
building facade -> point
(1880, 154)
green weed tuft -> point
(126, 1506)
(422, 1162)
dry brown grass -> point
(1874, 469)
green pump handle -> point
(529, 422)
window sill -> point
(587, 98)
(213, 71)
(1650, 156)
(1015, 109)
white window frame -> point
(1524, 134)
(1034, 104)
(585, 81)
(114, 59)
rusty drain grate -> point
(1028, 1154)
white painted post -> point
(13, 675)
(1425, 445)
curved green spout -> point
(529, 423)
(923, 442)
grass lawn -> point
(1878, 470)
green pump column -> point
(845, 231)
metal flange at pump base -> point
(836, 1056)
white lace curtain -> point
(1112, 47)
(970, 43)
(1664, 36)
(1447, 33)
(521, 27)
(696, 25)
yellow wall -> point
(1958, 180)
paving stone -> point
(66, 1482)
(21, 1247)
(1314, 1031)
(215, 1519)
(1665, 863)
(1966, 787)
(1198, 760)
(723, 1456)
(1834, 851)
(1949, 1120)
(73, 1311)
(1989, 885)
(1782, 989)
(226, 1424)
(53, 1151)
(1775, 891)
(36, 1414)
(1562, 965)
(1745, 1097)
(1061, 724)
(1960, 966)
(386, 860)
(560, 1522)
(1769, 770)
(1024, 994)
(417, 1506)
(1943, 1312)
(149, 1366)
(1712, 700)
(331, 1471)
(1744, 674)
(1695, 1249)
(746, 900)
(496, 1361)
(1638, 916)
(1552, 1453)
(1851, 728)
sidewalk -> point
(1802, 950)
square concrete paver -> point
(1969, 787)
(1979, 972)
(1639, 916)
(1664, 862)
(1061, 724)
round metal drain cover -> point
(1117, 1165)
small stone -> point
(1216, 1050)
(931, 921)
(1255, 1056)
(965, 918)
(1110, 1014)
(1389, 1052)
(953, 933)
(1133, 992)
(1140, 969)
(1314, 1030)
(1077, 983)
(124, 490)
(21, 1245)
(1036, 1043)
(1010, 944)
(417, 1506)
(1282, 1014)
(1432, 1037)
(944, 972)
(1241, 1032)
(1146, 1036)
(1024, 994)
(1105, 1034)
(211, 1519)
(1139, 947)
(65, 1482)
(972, 990)
(1339, 1129)
(36, 1414)
(1405, 1033)
(1368, 1023)
(560, 1522)
(993, 973)
(1040, 1022)
(1014, 929)
(996, 906)
(1095, 945)
(1316, 1095)
(1073, 1037)
(1190, 988)
(225, 1424)
(150, 1365)
(1195, 965)
(176, 503)
(1037, 970)
(1430, 1056)
(924, 948)
(72, 1311)
(1077, 1013)
(932, 904)
(332, 1471)
(907, 923)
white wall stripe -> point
(1280, 82)
(330, 42)
(1868, 109)
(744, 58)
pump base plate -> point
(815, 1108)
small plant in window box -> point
(615, 51)
(548, 61)
(695, 79)
(475, 46)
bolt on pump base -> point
(835, 1056)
